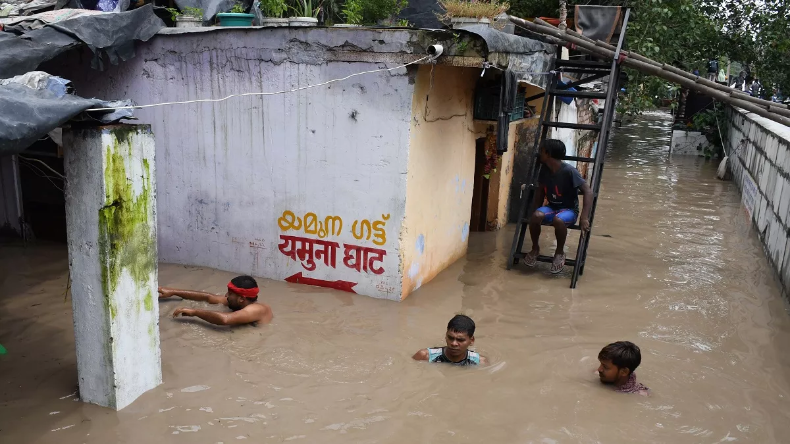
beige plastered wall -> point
(440, 174)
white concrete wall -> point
(440, 174)
(760, 153)
(111, 217)
(235, 176)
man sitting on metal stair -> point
(559, 184)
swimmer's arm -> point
(421, 355)
(483, 360)
(247, 315)
(199, 296)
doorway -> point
(478, 218)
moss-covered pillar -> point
(111, 217)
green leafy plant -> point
(186, 12)
(352, 11)
(193, 12)
(238, 8)
(371, 12)
(474, 9)
(304, 8)
(273, 8)
(707, 122)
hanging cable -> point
(29, 159)
(264, 93)
(40, 173)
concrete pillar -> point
(111, 216)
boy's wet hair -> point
(554, 147)
(462, 324)
(623, 354)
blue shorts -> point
(567, 216)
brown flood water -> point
(681, 274)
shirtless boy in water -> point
(241, 298)
(618, 362)
(460, 335)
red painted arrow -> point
(337, 285)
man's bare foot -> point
(532, 257)
(558, 264)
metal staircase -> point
(587, 71)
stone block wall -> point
(760, 158)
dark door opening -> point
(477, 221)
(42, 187)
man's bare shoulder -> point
(262, 312)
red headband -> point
(246, 292)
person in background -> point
(756, 89)
(559, 184)
(722, 77)
(740, 82)
(460, 336)
(696, 72)
(241, 298)
(618, 361)
(713, 69)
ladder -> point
(587, 71)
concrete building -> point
(363, 185)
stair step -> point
(570, 227)
(548, 259)
(582, 126)
(579, 159)
(580, 94)
(583, 64)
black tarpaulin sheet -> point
(529, 59)
(507, 100)
(111, 34)
(423, 14)
(598, 22)
(28, 114)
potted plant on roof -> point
(187, 17)
(373, 12)
(273, 11)
(306, 15)
(237, 16)
(352, 11)
(462, 13)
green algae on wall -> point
(126, 238)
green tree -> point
(687, 33)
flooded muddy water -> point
(673, 266)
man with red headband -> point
(242, 297)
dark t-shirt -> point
(560, 187)
(713, 66)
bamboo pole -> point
(774, 107)
(663, 71)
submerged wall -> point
(308, 186)
(761, 168)
(440, 177)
